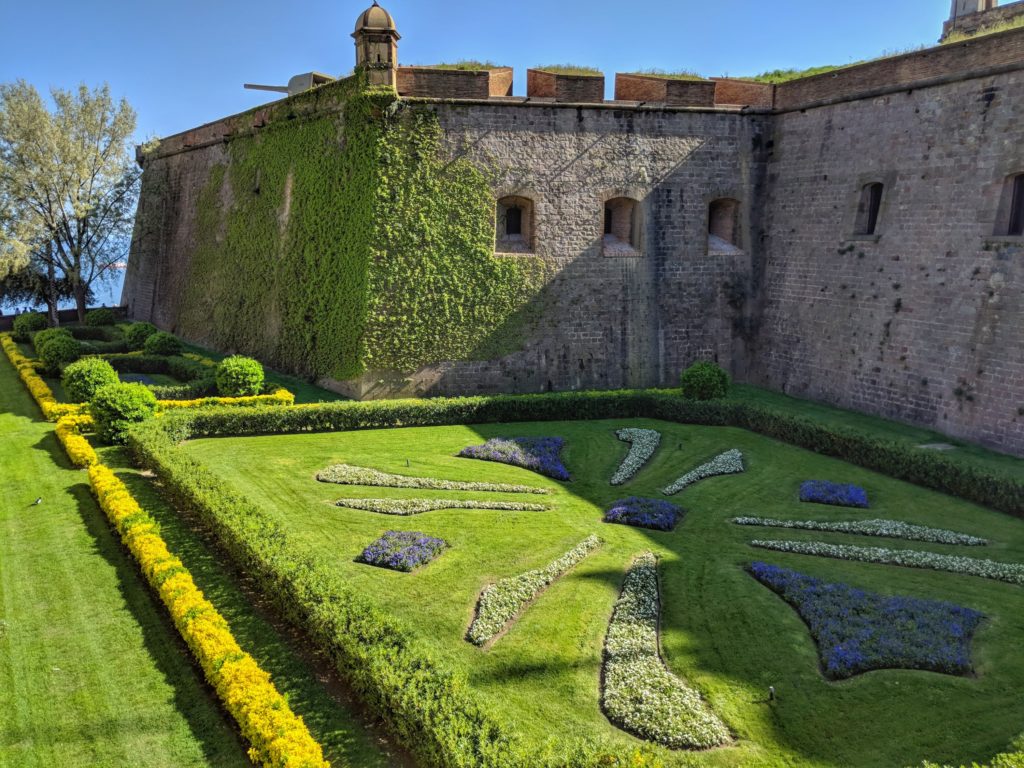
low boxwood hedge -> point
(26, 324)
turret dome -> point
(375, 19)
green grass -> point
(91, 671)
(680, 75)
(722, 631)
(1006, 26)
(570, 69)
(466, 65)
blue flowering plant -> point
(655, 514)
(836, 494)
(403, 550)
(540, 454)
(858, 631)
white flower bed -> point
(908, 558)
(889, 529)
(502, 602)
(346, 474)
(640, 695)
(643, 444)
(416, 506)
(729, 463)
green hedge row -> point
(432, 711)
(198, 379)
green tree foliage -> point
(32, 284)
(84, 377)
(704, 381)
(68, 183)
(239, 376)
(116, 407)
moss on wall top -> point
(336, 243)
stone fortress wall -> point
(919, 321)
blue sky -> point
(182, 64)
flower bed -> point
(728, 463)
(889, 529)
(540, 454)
(858, 631)
(417, 506)
(639, 694)
(655, 514)
(836, 494)
(402, 550)
(1011, 573)
(643, 444)
(345, 474)
(502, 602)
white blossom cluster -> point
(501, 603)
(643, 444)
(346, 474)
(729, 463)
(889, 529)
(416, 506)
(908, 558)
(640, 694)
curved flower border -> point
(1011, 573)
(501, 603)
(643, 444)
(728, 463)
(347, 474)
(639, 694)
(888, 529)
(407, 507)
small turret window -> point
(723, 226)
(514, 225)
(621, 226)
(869, 208)
(1016, 228)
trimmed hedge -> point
(100, 317)
(83, 377)
(40, 391)
(28, 323)
(704, 381)
(162, 343)
(117, 406)
(198, 378)
(239, 376)
(58, 351)
(431, 710)
(135, 335)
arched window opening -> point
(1016, 227)
(724, 226)
(621, 226)
(514, 225)
(869, 208)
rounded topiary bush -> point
(28, 323)
(58, 350)
(83, 378)
(239, 376)
(162, 343)
(101, 316)
(704, 381)
(116, 407)
(39, 340)
(135, 335)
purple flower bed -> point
(541, 454)
(858, 631)
(402, 550)
(656, 514)
(837, 494)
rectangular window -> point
(608, 217)
(874, 206)
(514, 221)
(1016, 228)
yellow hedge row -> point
(280, 397)
(69, 432)
(278, 736)
(40, 391)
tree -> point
(68, 184)
(33, 285)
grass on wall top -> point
(570, 69)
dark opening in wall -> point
(869, 208)
(723, 225)
(514, 225)
(621, 225)
(1016, 227)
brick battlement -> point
(437, 83)
(974, 23)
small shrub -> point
(162, 343)
(58, 350)
(101, 316)
(135, 335)
(115, 407)
(239, 376)
(84, 377)
(39, 339)
(91, 332)
(704, 381)
(28, 323)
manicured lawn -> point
(722, 631)
(91, 671)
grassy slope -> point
(722, 630)
(91, 671)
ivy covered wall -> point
(332, 243)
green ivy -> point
(336, 243)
